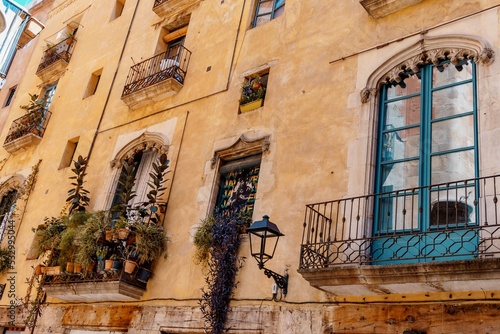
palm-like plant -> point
(78, 196)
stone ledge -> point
(381, 8)
(151, 94)
(94, 291)
(449, 276)
(18, 143)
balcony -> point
(108, 285)
(381, 8)
(55, 60)
(439, 238)
(27, 130)
(178, 11)
(156, 78)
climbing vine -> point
(223, 264)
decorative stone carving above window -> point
(242, 148)
(428, 50)
(381, 8)
(146, 142)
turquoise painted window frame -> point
(425, 153)
(276, 6)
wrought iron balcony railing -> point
(61, 51)
(449, 221)
(172, 64)
(159, 2)
(32, 123)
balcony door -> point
(427, 146)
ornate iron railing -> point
(61, 51)
(95, 277)
(159, 2)
(170, 64)
(35, 123)
(449, 221)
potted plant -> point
(88, 239)
(6, 260)
(150, 244)
(252, 94)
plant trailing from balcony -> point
(78, 196)
(35, 110)
(150, 242)
(89, 236)
(223, 265)
(6, 259)
(252, 90)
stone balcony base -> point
(450, 276)
(94, 291)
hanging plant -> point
(223, 242)
(6, 259)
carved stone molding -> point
(381, 8)
(15, 182)
(148, 141)
(243, 147)
(455, 48)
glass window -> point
(427, 134)
(267, 10)
(238, 185)
(7, 205)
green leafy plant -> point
(252, 90)
(89, 236)
(6, 259)
(125, 192)
(78, 196)
(150, 242)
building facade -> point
(370, 143)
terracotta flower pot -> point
(108, 264)
(70, 267)
(123, 233)
(130, 266)
(77, 268)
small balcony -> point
(55, 60)
(175, 8)
(108, 285)
(439, 238)
(156, 78)
(381, 8)
(27, 130)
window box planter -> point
(251, 105)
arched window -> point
(7, 205)
(427, 151)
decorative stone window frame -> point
(233, 148)
(428, 50)
(147, 141)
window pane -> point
(398, 212)
(453, 206)
(402, 113)
(265, 7)
(453, 133)
(401, 144)
(411, 86)
(238, 189)
(447, 73)
(401, 175)
(452, 167)
(452, 101)
(279, 11)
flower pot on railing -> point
(40, 269)
(123, 233)
(70, 267)
(117, 265)
(53, 271)
(108, 264)
(143, 275)
(130, 266)
(77, 268)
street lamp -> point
(264, 236)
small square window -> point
(69, 153)
(253, 91)
(118, 10)
(10, 96)
(93, 83)
(268, 10)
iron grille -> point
(170, 64)
(449, 221)
(32, 123)
(61, 51)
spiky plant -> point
(78, 196)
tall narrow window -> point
(69, 153)
(427, 143)
(93, 83)
(118, 10)
(268, 10)
(238, 185)
(7, 205)
(10, 96)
